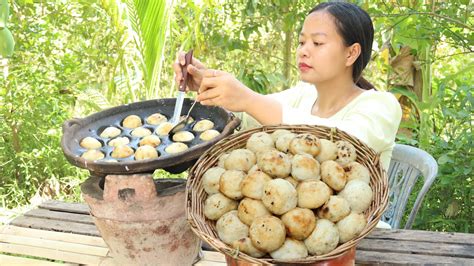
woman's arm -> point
(222, 89)
(265, 110)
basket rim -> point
(211, 157)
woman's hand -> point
(194, 69)
(222, 89)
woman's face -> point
(321, 54)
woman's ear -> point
(353, 52)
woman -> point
(334, 47)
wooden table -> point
(64, 232)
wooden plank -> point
(55, 205)
(54, 245)
(419, 247)
(381, 246)
(364, 257)
(425, 236)
(107, 261)
(42, 234)
(60, 216)
(387, 258)
(213, 256)
(12, 260)
(50, 254)
(209, 263)
(58, 226)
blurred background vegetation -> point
(74, 58)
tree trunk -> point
(425, 124)
(287, 55)
(15, 138)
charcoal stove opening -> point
(126, 193)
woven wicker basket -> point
(206, 229)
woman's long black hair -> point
(355, 26)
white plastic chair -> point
(406, 166)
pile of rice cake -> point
(288, 195)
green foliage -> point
(439, 117)
(241, 37)
(431, 31)
(449, 204)
(136, 69)
(57, 57)
(149, 21)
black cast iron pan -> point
(75, 130)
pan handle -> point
(188, 58)
(234, 124)
(70, 123)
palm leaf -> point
(94, 99)
(150, 19)
(134, 21)
(146, 24)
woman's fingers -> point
(208, 94)
(177, 71)
(210, 73)
(194, 61)
(210, 79)
(181, 58)
(210, 102)
(195, 72)
(198, 63)
(208, 83)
